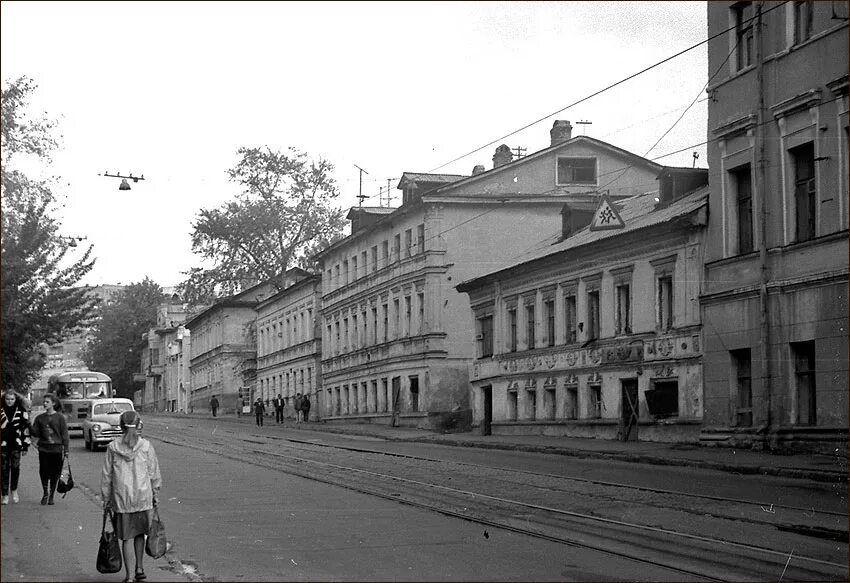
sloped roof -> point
(370, 210)
(637, 212)
(430, 178)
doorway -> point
(629, 410)
(487, 422)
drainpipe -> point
(765, 275)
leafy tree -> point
(38, 272)
(283, 215)
(119, 336)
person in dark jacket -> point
(15, 424)
(297, 406)
(259, 411)
(214, 405)
(279, 402)
(52, 431)
(305, 407)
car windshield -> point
(111, 408)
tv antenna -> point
(519, 151)
(695, 155)
(361, 196)
(124, 184)
(584, 123)
(388, 199)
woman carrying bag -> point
(130, 484)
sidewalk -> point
(817, 467)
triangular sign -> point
(606, 216)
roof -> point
(431, 178)
(311, 279)
(634, 158)
(370, 210)
(681, 170)
(638, 212)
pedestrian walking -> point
(213, 405)
(279, 402)
(15, 429)
(259, 410)
(305, 407)
(51, 429)
(298, 404)
(129, 486)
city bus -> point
(76, 391)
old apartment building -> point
(166, 361)
(596, 332)
(775, 300)
(289, 345)
(397, 337)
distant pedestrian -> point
(297, 405)
(279, 403)
(305, 407)
(129, 485)
(214, 405)
(15, 424)
(259, 410)
(52, 431)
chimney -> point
(479, 169)
(502, 156)
(561, 132)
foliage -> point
(283, 215)
(119, 336)
(39, 302)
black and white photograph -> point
(425, 291)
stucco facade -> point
(224, 351)
(596, 333)
(775, 300)
(166, 366)
(289, 347)
(397, 336)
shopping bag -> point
(66, 479)
(109, 550)
(156, 545)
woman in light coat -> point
(129, 486)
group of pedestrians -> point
(301, 404)
(130, 478)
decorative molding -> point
(810, 98)
(736, 126)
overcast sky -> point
(171, 90)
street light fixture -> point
(124, 184)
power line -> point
(603, 90)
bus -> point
(76, 390)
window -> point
(804, 376)
(407, 308)
(420, 238)
(549, 305)
(623, 323)
(571, 405)
(346, 273)
(485, 336)
(353, 275)
(662, 399)
(338, 280)
(414, 393)
(548, 404)
(512, 340)
(330, 334)
(512, 405)
(364, 265)
(664, 316)
(420, 299)
(364, 336)
(742, 363)
(804, 190)
(742, 179)
(529, 327)
(385, 253)
(408, 242)
(397, 313)
(374, 338)
(593, 314)
(386, 322)
(531, 404)
(576, 170)
(570, 318)
(337, 344)
(743, 13)
(595, 401)
(802, 21)
(397, 247)
(345, 334)
(374, 258)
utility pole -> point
(361, 196)
(767, 387)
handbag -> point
(156, 544)
(109, 550)
(66, 480)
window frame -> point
(805, 190)
(742, 175)
(571, 179)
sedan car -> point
(103, 424)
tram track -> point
(686, 554)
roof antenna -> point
(696, 155)
(584, 123)
(361, 196)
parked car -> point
(103, 424)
